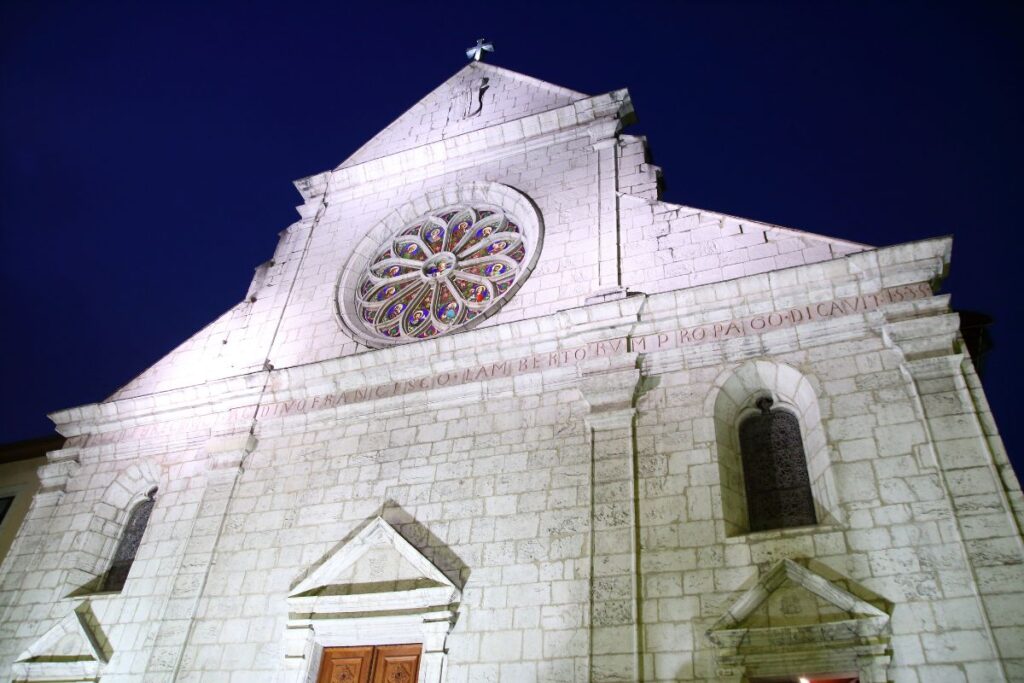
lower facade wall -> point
(496, 488)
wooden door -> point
(396, 664)
(369, 664)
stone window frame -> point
(136, 509)
(732, 400)
(96, 544)
(14, 492)
(15, 516)
(509, 199)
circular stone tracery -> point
(439, 272)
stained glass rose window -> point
(440, 272)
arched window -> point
(775, 470)
(127, 548)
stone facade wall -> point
(575, 478)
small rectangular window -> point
(5, 505)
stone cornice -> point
(560, 341)
(857, 274)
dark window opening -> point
(775, 470)
(5, 505)
(127, 548)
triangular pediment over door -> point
(795, 620)
(375, 571)
(375, 589)
(75, 649)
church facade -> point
(496, 412)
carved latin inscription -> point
(659, 341)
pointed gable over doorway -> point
(791, 595)
(75, 649)
(794, 620)
(375, 571)
(375, 589)
(478, 96)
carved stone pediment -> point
(376, 571)
(794, 619)
(75, 649)
(376, 589)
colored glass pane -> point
(439, 272)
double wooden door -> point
(379, 664)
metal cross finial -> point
(476, 53)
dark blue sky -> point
(148, 150)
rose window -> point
(440, 272)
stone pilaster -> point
(226, 455)
(985, 522)
(609, 279)
(615, 652)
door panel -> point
(345, 665)
(380, 664)
(396, 664)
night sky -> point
(148, 150)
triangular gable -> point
(74, 649)
(478, 96)
(375, 571)
(746, 614)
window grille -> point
(127, 548)
(775, 470)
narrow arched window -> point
(775, 470)
(127, 548)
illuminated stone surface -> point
(555, 492)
